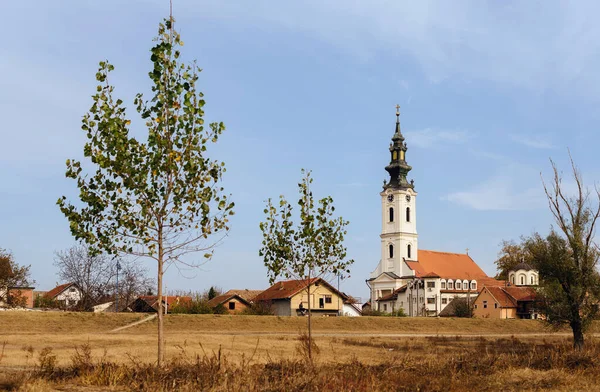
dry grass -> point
(262, 353)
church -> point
(415, 281)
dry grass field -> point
(78, 351)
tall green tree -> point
(160, 198)
(312, 249)
(567, 258)
(511, 253)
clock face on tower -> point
(408, 198)
(390, 198)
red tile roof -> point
(288, 288)
(220, 299)
(521, 293)
(446, 265)
(246, 294)
(505, 300)
(57, 290)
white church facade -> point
(420, 282)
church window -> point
(522, 279)
(408, 214)
(431, 285)
(512, 279)
(391, 251)
(391, 214)
(450, 285)
(394, 155)
(408, 251)
(532, 280)
(443, 285)
(473, 285)
(431, 300)
(444, 301)
(458, 285)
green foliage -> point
(197, 305)
(212, 293)
(511, 254)
(261, 308)
(12, 275)
(158, 198)
(462, 308)
(45, 303)
(313, 248)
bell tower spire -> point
(398, 168)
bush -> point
(195, 306)
(259, 309)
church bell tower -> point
(399, 239)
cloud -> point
(510, 43)
(509, 190)
(534, 141)
(432, 138)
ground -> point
(369, 342)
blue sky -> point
(489, 92)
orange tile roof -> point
(503, 298)
(490, 282)
(221, 299)
(446, 265)
(246, 294)
(521, 293)
(57, 290)
(288, 288)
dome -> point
(522, 266)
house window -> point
(495, 305)
(401, 303)
(475, 306)
(408, 251)
(458, 285)
(443, 285)
(391, 251)
(72, 289)
(444, 301)
(328, 299)
(473, 285)
(408, 214)
(450, 285)
(391, 214)
(431, 300)
(485, 304)
(385, 307)
(231, 305)
(431, 285)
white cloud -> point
(431, 138)
(534, 141)
(510, 190)
(538, 45)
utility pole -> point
(117, 297)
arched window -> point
(391, 250)
(532, 279)
(522, 279)
(512, 279)
(391, 214)
(408, 251)
(408, 214)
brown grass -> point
(209, 352)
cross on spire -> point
(397, 110)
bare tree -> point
(568, 257)
(133, 281)
(93, 273)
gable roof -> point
(246, 294)
(59, 289)
(393, 295)
(152, 300)
(502, 297)
(221, 299)
(521, 293)
(445, 265)
(286, 289)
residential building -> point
(509, 302)
(21, 295)
(67, 295)
(149, 303)
(421, 282)
(235, 301)
(290, 298)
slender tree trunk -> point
(309, 324)
(160, 304)
(578, 339)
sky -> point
(489, 92)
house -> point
(149, 303)
(507, 302)
(351, 308)
(290, 298)
(67, 295)
(20, 296)
(420, 282)
(233, 303)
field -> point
(77, 351)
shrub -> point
(196, 306)
(262, 308)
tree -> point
(92, 272)
(511, 254)
(313, 249)
(13, 275)
(567, 257)
(212, 293)
(133, 282)
(159, 198)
